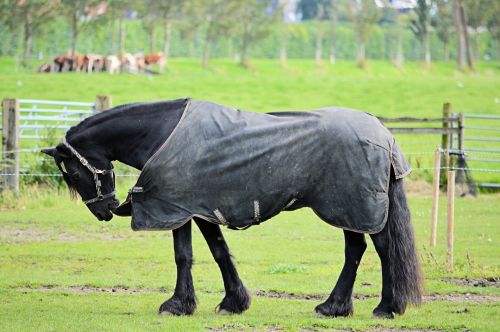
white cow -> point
(129, 63)
(113, 64)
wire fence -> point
(409, 154)
(33, 155)
(481, 153)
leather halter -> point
(95, 172)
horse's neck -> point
(136, 144)
(131, 137)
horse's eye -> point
(75, 176)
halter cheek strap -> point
(95, 172)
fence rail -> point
(54, 110)
(56, 102)
(476, 116)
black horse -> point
(133, 133)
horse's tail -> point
(404, 267)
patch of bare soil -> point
(456, 297)
(472, 298)
(312, 297)
(16, 235)
(92, 289)
(33, 234)
(475, 282)
(283, 295)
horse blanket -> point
(237, 168)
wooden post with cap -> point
(445, 141)
(102, 103)
(10, 143)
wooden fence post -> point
(435, 196)
(10, 143)
(451, 218)
(102, 103)
(461, 132)
(445, 141)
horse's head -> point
(94, 181)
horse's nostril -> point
(114, 204)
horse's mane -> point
(126, 109)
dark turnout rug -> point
(238, 168)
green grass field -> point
(60, 269)
(63, 270)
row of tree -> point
(447, 18)
(249, 21)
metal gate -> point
(482, 145)
(37, 116)
(27, 122)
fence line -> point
(57, 175)
(413, 169)
(451, 127)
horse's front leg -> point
(237, 299)
(339, 303)
(183, 302)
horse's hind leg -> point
(339, 303)
(385, 307)
(183, 302)
(395, 244)
(237, 299)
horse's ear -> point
(51, 152)
(63, 151)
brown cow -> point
(155, 58)
(93, 62)
(62, 63)
(78, 62)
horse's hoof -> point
(177, 307)
(381, 314)
(334, 309)
(235, 302)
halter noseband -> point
(95, 172)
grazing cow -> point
(62, 63)
(78, 62)
(155, 58)
(139, 58)
(93, 62)
(99, 63)
(129, 63)
(113, 64)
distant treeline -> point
(302, 44)
(240, 29)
